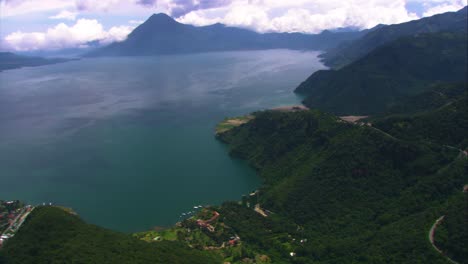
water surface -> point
(128, 142)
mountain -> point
(377, 82)
(345, 54)
(161, 34)
(10, 61)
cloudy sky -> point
(27, 25)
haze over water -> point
(128, 142)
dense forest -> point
(446, 125)
(356, 193)
(452, 235)
(52, 235)
(380, 80)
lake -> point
(128, 143)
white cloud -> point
(117, 34)
(308, 16)
(311, 16)
(21, 7)
(64, 36)
(64, 14)
(136, 22)
(438, 7)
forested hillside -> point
(452, 235)
(392, 73)
(359, 194)
(354, 50)
(52, 235)
(446, 125)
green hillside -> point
(388, 75)
(52, 235)
(447, 125)
(437, 96)
(452, 235)
(357, 194)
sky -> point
(30, 25)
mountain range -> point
(10, 61)
(351, 51)
(161, 34)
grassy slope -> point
(52, 235)
(360, 195)
(389, 74)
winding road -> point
(431, 235)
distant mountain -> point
(64, 53)
(10, 61)
(345, 54)
(161, 34)
(377, 82)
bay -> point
(128, 143)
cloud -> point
(64, 14)
(183, 7)
(308, 16)
(438, 7)
(147, 2)
(101, 5)
(62, 36)
(136, 22)
(10, 8)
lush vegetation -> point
(447, 125)
(381, 35)
(437, 96)
(377, 82)
(452, 235)
(354, 192)
(52, 235)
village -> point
(12, 216)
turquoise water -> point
(128, 142)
